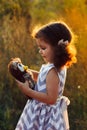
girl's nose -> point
(40, 51)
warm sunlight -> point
(17, 21)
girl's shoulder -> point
(47, 67)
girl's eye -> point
(43, 48)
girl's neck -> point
(50, 63)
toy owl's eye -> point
(20, 67)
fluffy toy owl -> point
(20, 71)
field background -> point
(17, 19)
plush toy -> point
(20, 72)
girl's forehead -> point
(41, 42)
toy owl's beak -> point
(25, 67)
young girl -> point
(48, 108)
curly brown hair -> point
(64, 53)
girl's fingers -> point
(26, 84)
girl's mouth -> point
(44, 56)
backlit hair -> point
(52, 34)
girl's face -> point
(45, 50)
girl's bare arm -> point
(50, 96)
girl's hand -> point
(24, 87)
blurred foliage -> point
(17, 19)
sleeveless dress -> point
(41, 116)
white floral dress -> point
(40, 116)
